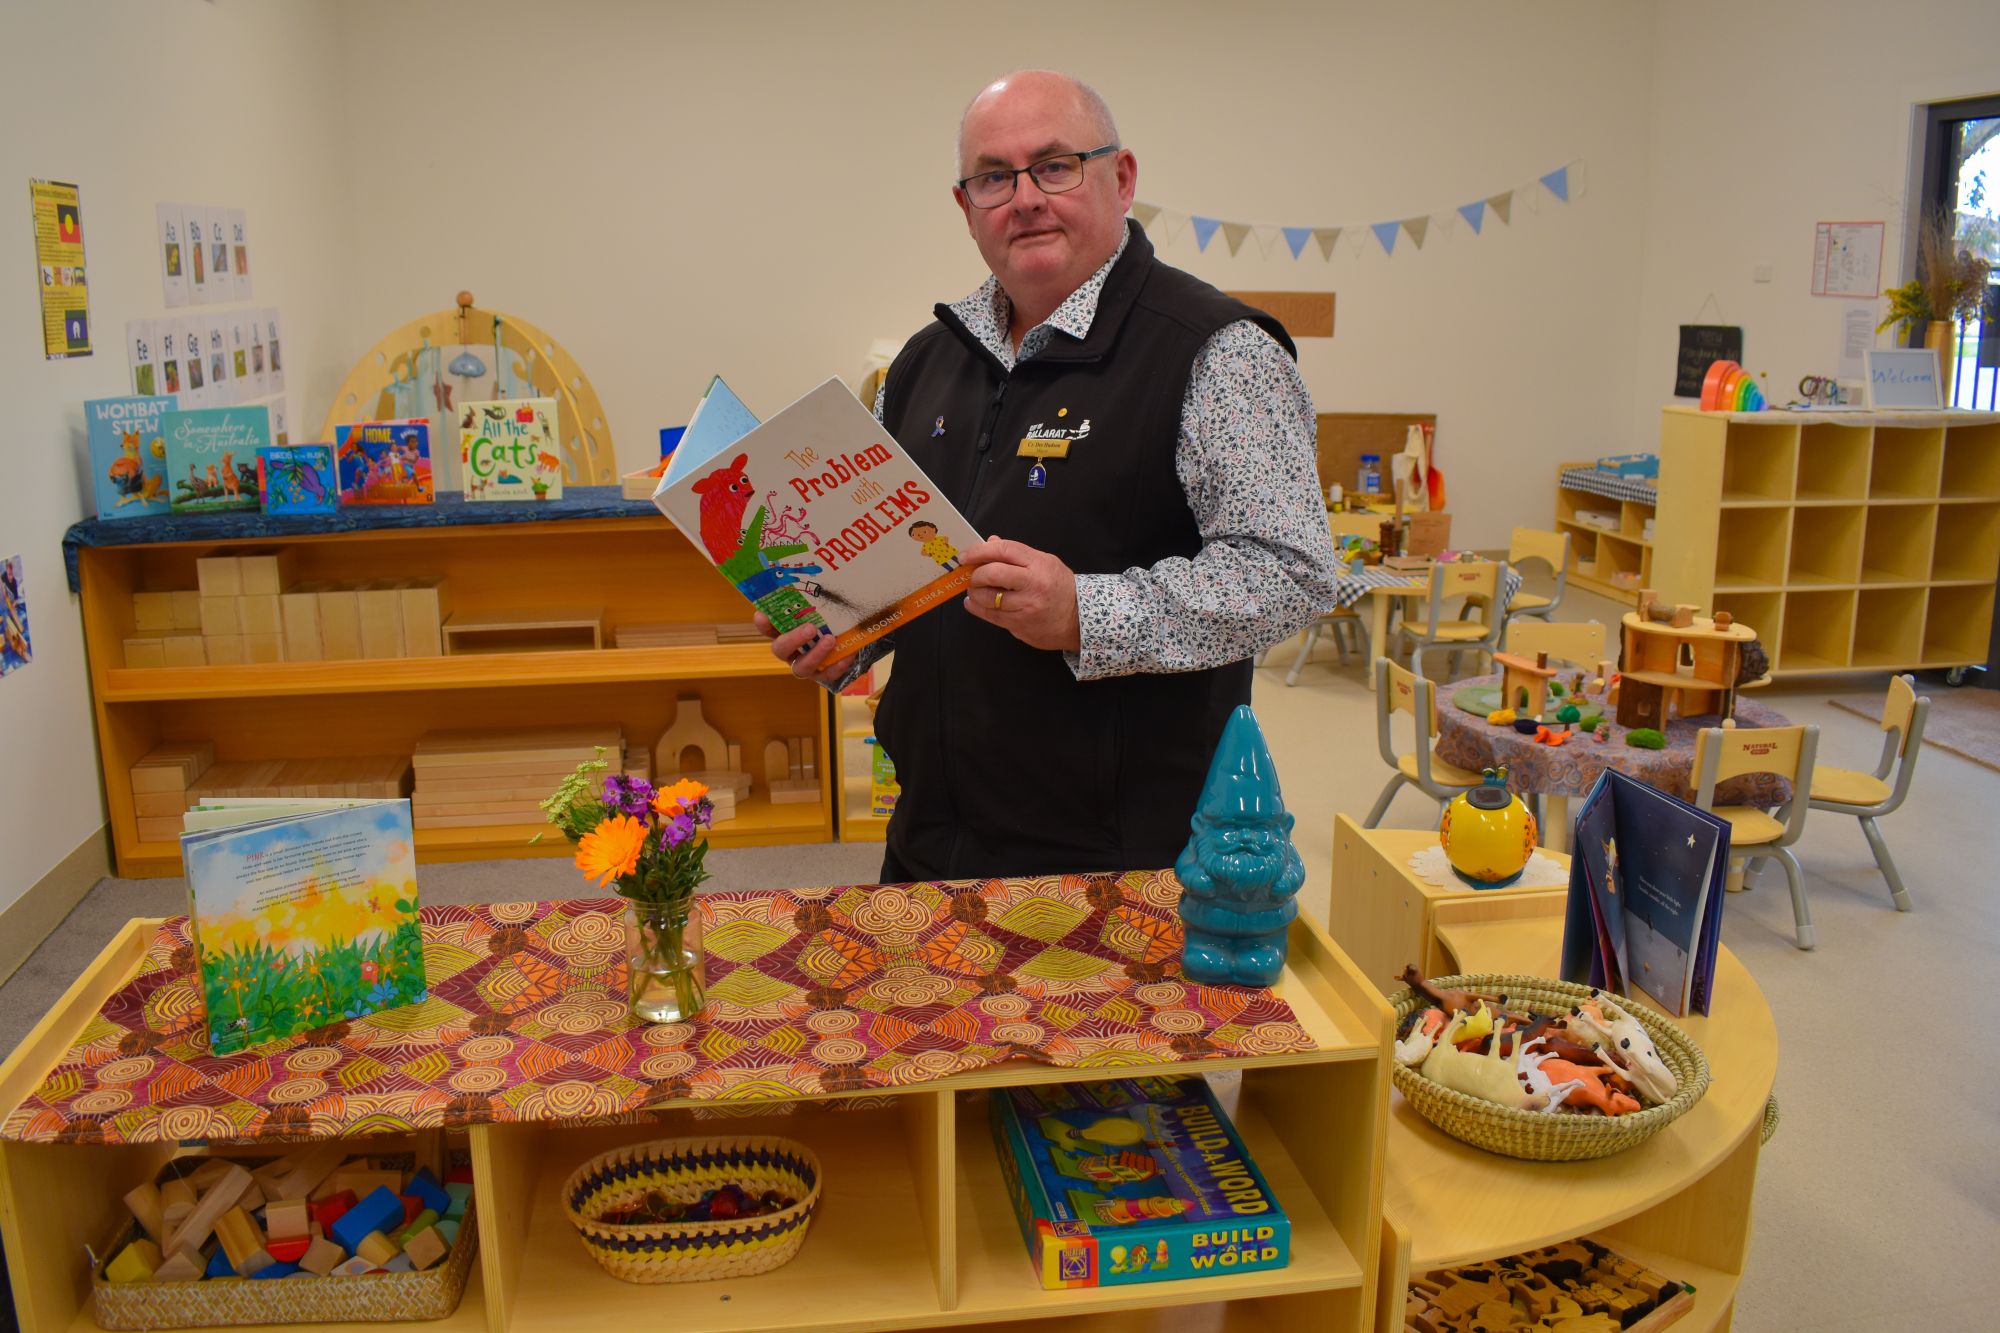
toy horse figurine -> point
(1239, 871)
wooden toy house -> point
(1524, 683)
(1678, 670)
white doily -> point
(1541, 872)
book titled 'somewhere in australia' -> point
(817, 516)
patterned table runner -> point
(812, 991)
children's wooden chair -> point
(1721, 753)
(1580, 642)
(1869, 796)
(1552, 549)
(1474, 582)
(1400, 691)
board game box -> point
(1134, 1180)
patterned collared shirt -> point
(1247, 461)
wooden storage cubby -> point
(1958, 625)
(1906, 463)
(642, 571)
(1972, 462)
(1818, 631)
(1833, 462)
(1826, 545)
(1596, 554)
(1615, 556)
(1889, 627)
(1759, 464)
(1968, 543)
(1896, 544)
(1761, 611)
(1751, 547)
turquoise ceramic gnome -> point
(1239, 872)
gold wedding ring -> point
(996, 599)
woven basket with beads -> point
(683, 1170)
(1556, 1136)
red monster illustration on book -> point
(748, 555)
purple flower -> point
(628, 796)
(677, 830)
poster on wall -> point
(1847, 260)
(196, 254)
(16, 649)
(141, 346)
(1701, 346)
(221, 282)
(239, 253)
(173, 256)
(58, 214)
(269, 317)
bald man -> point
(1140, 449)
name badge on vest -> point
(1042, 447)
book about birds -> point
(510, 450)
(128, 454)
(302, 920)
(297, 479)
(385, 462)
(212, 457)
(1134, 1180)
(817, 516)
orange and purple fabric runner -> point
(812, 992)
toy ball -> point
(1527, 726)
(1487, 833)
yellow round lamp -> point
(1488, 833)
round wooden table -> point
(1558, 772)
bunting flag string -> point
(1564, 185)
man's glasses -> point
(1053, 175)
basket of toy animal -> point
(1565, 1134)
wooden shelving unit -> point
(641, 570)
(1849, 541)
(914, 1230)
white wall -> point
(137, 103)
(1766, 120)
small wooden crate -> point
(526, 631)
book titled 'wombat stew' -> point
(817, 515)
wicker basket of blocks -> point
(682, 1170)
(1535, 1136)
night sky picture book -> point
(509, 449)
(128, 454)
(384, 462)
(297, 479)
(1136, 1180)
(304, 919)
(212, 457)
(1645, 895)
(819, 517)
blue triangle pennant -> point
(1558, 183)
(1204, 230)
(1474, 214)
(1385, 232)
(1296, 237)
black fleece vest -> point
(1009, 765)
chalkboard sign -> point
(1903, 378)
(1701, 346)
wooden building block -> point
(225, 649)
(186, 1266)
(423, 1221)
(779, 760)
(340, 625)
(147, 1209)
(135, 1263)
(267, 574)
(354, 1267)
(243, 1241)
(160, 830)
(794, 791)
(257, 613)
(489, 751)
(285, 1219)
(690, 731)
(304, 1172)
(172, 765)
(219, 576)
(288, 1251)
(183, 648)
(220, 615)
(152, 612)
(322, 1257)
(381, 617)
(218, 1199)
(298, 617)
(528, 630)
(425, 1248)
(253, 1198)
(376, 1248)
(177, 1200)
(263, 648)
(425, 604)
(145, 653)
(187, 608)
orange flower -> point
(611, 850)
(671, 801)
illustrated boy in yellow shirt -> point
(936, 547)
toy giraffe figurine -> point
(1239, 872)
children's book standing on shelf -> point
(384, 462)
(817, 516)
(212, 457)
(16, 643)
(302, 914)
(128, 454)
(511, 450)
(297, 479)
(1135, 1180)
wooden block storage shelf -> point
(524, 631)
(914, 1230)
(1841, 538)
(257, 711)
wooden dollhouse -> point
(1685, 666)
(1524, 682)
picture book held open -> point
(817, 516)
